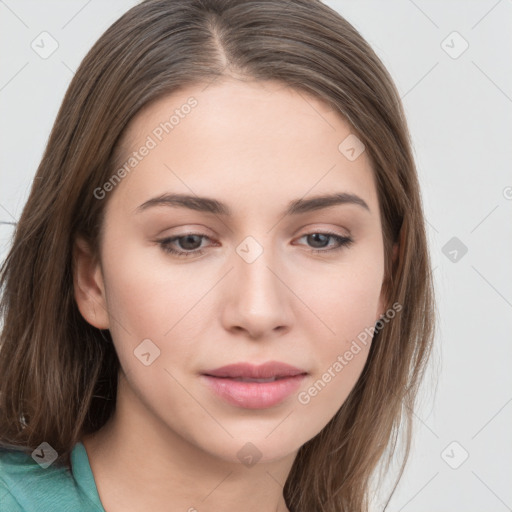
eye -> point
(190, 244)
(321, 239)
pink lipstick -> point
(254, 387)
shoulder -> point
(8, 502)
(27, 486)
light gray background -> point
(459, 111)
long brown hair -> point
(59, 373)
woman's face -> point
(259, 272)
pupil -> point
(184, 241)
(315, 237)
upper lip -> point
(251, 371)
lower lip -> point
(254, 395)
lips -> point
(248, 372)
(254, 387)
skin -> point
(255, 147)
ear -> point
(89, 290)
(383, 301)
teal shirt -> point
(26, 487)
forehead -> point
(246, 140)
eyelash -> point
(343, 241)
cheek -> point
(345, 298)
(148, 301)
(348, 304)
(148, 298)
(144, 295)
(326, 391)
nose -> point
(256, 299)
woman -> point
(218, 294)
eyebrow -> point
(209, 205)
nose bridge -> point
(258, 297)
(254, 260)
